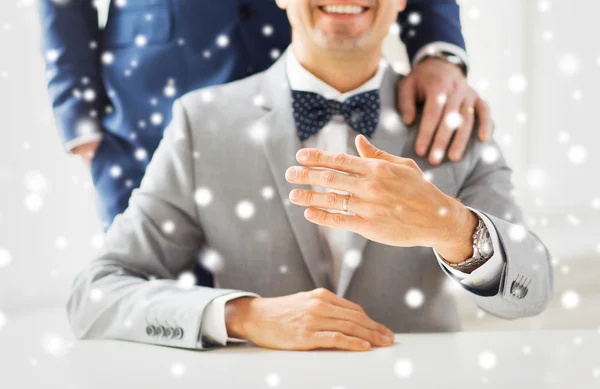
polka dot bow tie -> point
(313, 111)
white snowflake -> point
(572, 219)
(245, 209)
(353, 258)
(54, 344)
(141, 154)
(61, 243)
(89, 95)
(121, 3)
(283, 269)
(258, 100)
(275, 53)
(96, 295)
(93, 45)
(203, 196)
(569, 64)
(207, 96)
(116, 171)
(97, 241)
(211, 260)
(272, 380)
(5, 257)
(428, 175)
(536, 178)
(141, 40)
(170, 91)
(267, 30)
(391, 121)
(563, 137)
(258, 132)
(596, 203)
(577, 95)
(127, 323)
(596, 372)
(267, 192)
(570, 299)
(577, 154)
(52, 55)
(223, 41)
(487, 360)
(547, 35)
(480, 314)
(414, 18)
(442, 99)
(156, 118)
(414, 298)
(3, 319)
(168, 227)
(403, 368)
(482, 85)
(394, 30)
(544, 5)
(206, 53)
(522, 117)
(453, 120)
(35, 181)
(443, 211)
(517, 83)
(526, 349)
(186, 280)
(474, 13)
(34, 202)
(517, 232)
(177, 369)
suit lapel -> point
(281, 145)
(391, 135)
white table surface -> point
(38, 351)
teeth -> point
(343, 9)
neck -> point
(345, 71)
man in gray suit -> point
(370, 255)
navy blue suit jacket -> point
(121, 81)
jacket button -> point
(176, 332)
(167, 332)
(181, 333)
(149, 331)
(158, 330)
(245, 12)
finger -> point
(328, 200)
(451, 121)
(325, 178)
(340, 221)
(349, 328)
(431, 117)
(338, 161)
(485, 120)
(407, 99)
(463, 134)
(337, 340)
(333, 299)
(368, 150)
(334, 311)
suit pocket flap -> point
(138, 27)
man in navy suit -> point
(112, 89)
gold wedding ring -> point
(469, 110)
(345, 203)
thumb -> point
(407, 99)
(367, 150)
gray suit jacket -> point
(223, 143)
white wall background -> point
(536, 62)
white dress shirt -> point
(337, 136)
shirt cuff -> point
(437, 47)
(213, 319)
(81, 140)
(487, 274)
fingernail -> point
(291, 172)
(385, 339)
(309, 212)
(295, 195)
(302, 155)
(366, 344)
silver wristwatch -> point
(482, 250)
(448, 57)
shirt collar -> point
(301, 79)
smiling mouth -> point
(345, 9)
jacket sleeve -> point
(433, 21)
(131, 290)
(72, 46)
(526, 281)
